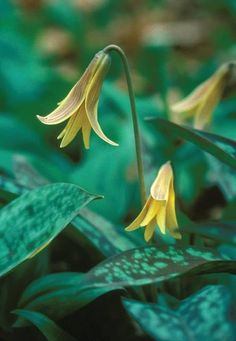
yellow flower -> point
(160, 207)
(203, 100)
(81, 104)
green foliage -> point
(74, 286)
(48, 328)
(222, 148)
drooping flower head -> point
(160, 207)
(80, 107)
(201, 103)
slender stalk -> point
(137, 138)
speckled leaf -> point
(202, 316)
(155, 264)
(35, 218)
(48, 328)
(222, 148)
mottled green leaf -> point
(34, 219)
(222, 148)
(150, 264)
(48, 328)
(202, 316)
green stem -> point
(134, 118)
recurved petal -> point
(71, 103)
(161, 185)
(136, 223)
(73, 126)
(149, 230)
(92, 97)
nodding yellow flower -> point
(80, 107)
(202, 101)
(160, 206)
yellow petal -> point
(161, 217)
(190, 103)
(73, 126)
(160, 186)
(152, 211)
(92, 97)
(68, 106)
(171, 220)
(149, 230)
(86, 130)
(136, 223)
(206, 108)
(60, 136)
(203, 100)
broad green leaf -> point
(222, 148)
(48, 328)
(34, 219)
(59, 303)
(224, 231)
(50, 283)
(150, 264)
(202, 316)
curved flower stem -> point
(137, 138)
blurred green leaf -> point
(202, 316)
(222, 148)
(11, 186)
(50, 283)
(223, 231)
(59, 303)
(21, 72)
(48, 328)
(108, 238)
(34, 219)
